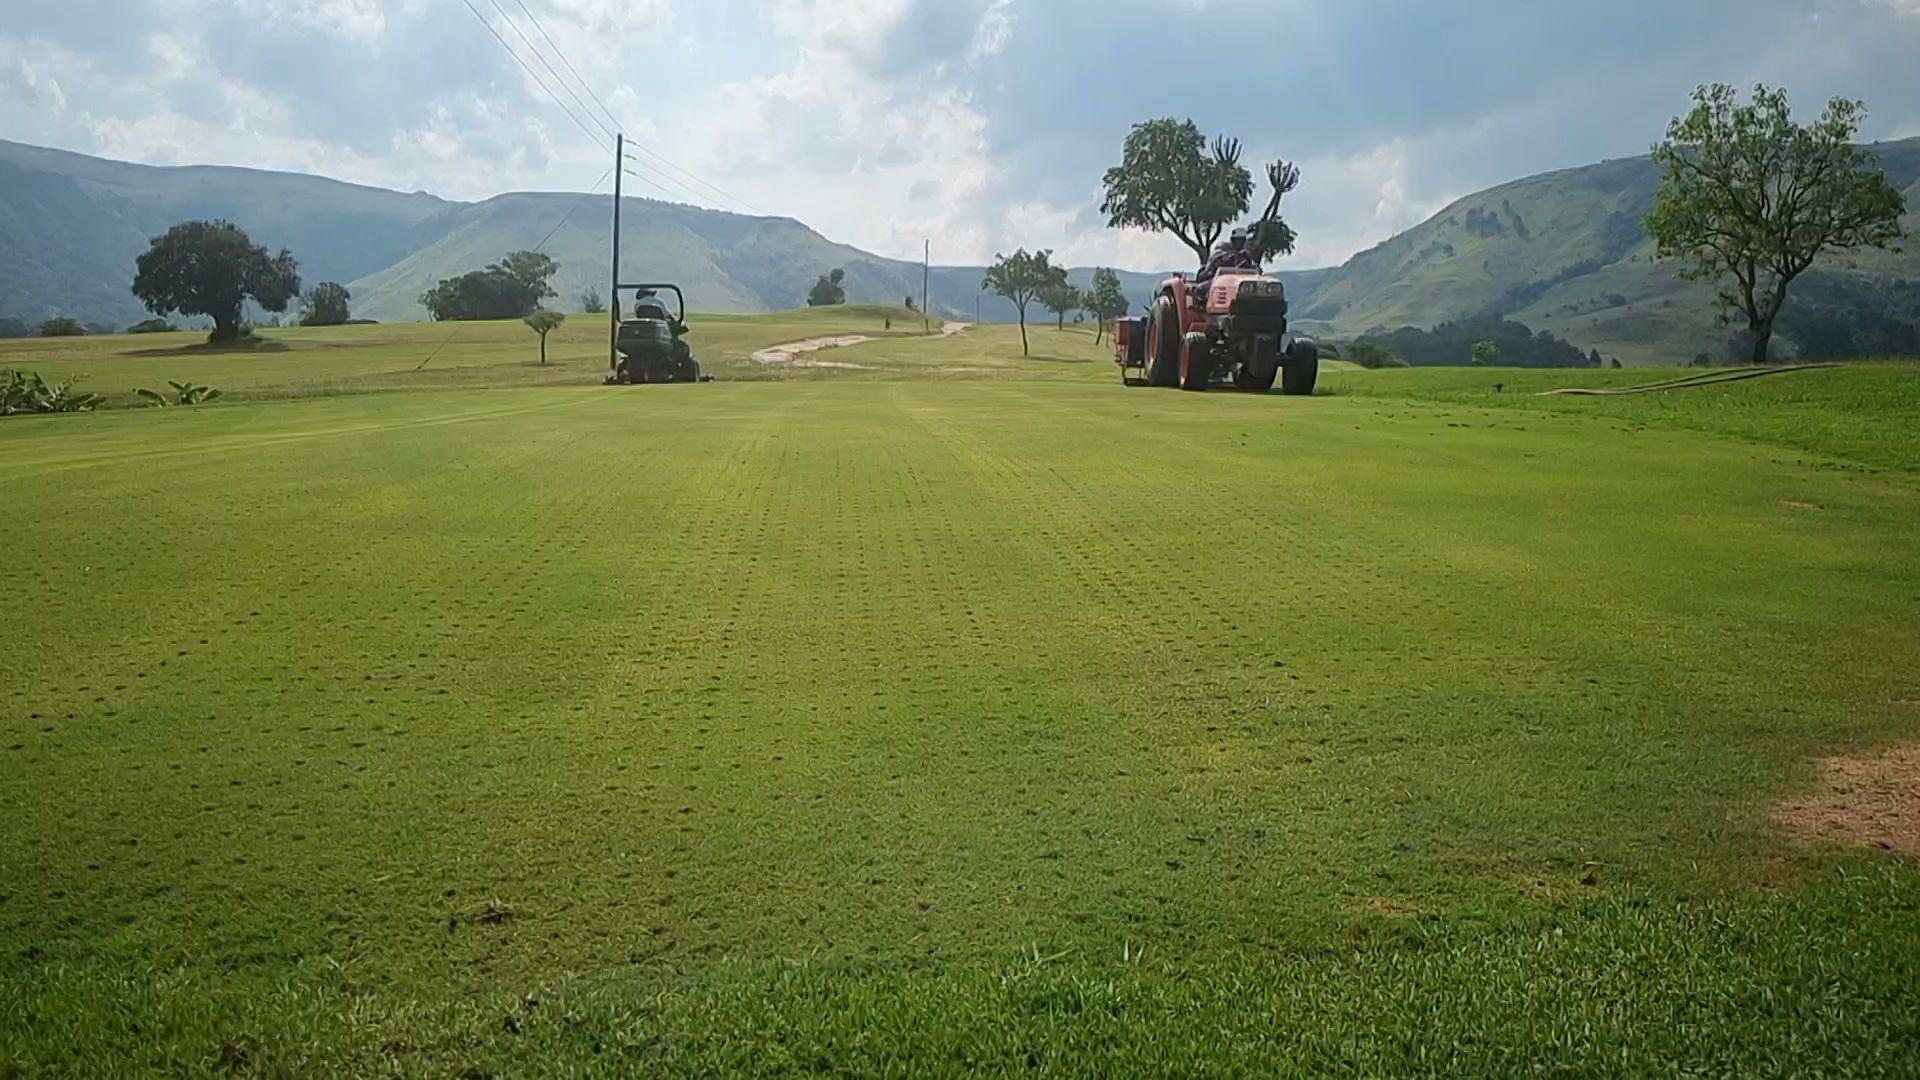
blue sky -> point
(983, 124)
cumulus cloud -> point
(981, 124)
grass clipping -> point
(1871, 801)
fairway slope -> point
(897, 722)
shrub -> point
(27, 392)
(62, 327)
(184, 393)
(152, 326)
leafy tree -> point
(1485, 352)
(212, 268)
(1750, 199)
(829, 291)
(1060, 297)
(1021, 278)
(509, 289)
(1105, 301)
(544, 323)
(910, 304)
(592, 302)
(62, 326)
(326, 304)
(1171, 180)
(1369, 355)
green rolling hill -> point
(1565, 253)
(1562, 253)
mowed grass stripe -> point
(632, 702)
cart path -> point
(802, 353)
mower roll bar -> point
(654, 287)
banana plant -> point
(28, 392)
(184, 393)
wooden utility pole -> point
(613, 294)
(926, 283)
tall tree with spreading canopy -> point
(509, 289)
(1021, 278)
(212, 268)
(1171, 180)
(829, 291)
(326, 304)
(1750, 199)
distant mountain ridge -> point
(1562, 253)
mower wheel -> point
(1196, 362)
(1163, 360)
(1301, 370)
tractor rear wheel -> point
(1196, 363)
(1163, 359)
(1301, 370)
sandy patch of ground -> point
(800, 353)
(1872, 801)
(950, 328)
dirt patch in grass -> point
(1871, 800)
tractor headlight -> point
(1261, 287)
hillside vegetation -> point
(1565, 253)
(1562, 253)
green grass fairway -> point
(921, 720)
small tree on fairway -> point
(544, 323)
(211, 268)
(1750, 199)
(1021, 278)
(1060, 298)
(1484, 353)
(1105, 302)
(326, 304)
(592, 303)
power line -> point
(564, 218)
(584, 84)
(535, 76)
(538, 55)
(655, 183)
(715, 189)
(567, 63)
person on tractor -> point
(647, 305)
(1232, 255)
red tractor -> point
(1227, 325)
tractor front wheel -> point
(1261, 366)
(1196, 362)
(1163, 360)
(1301, 370)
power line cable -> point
(716, 189)
(656, 171)
(557, 51)
(557, 77)
(535, 76)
